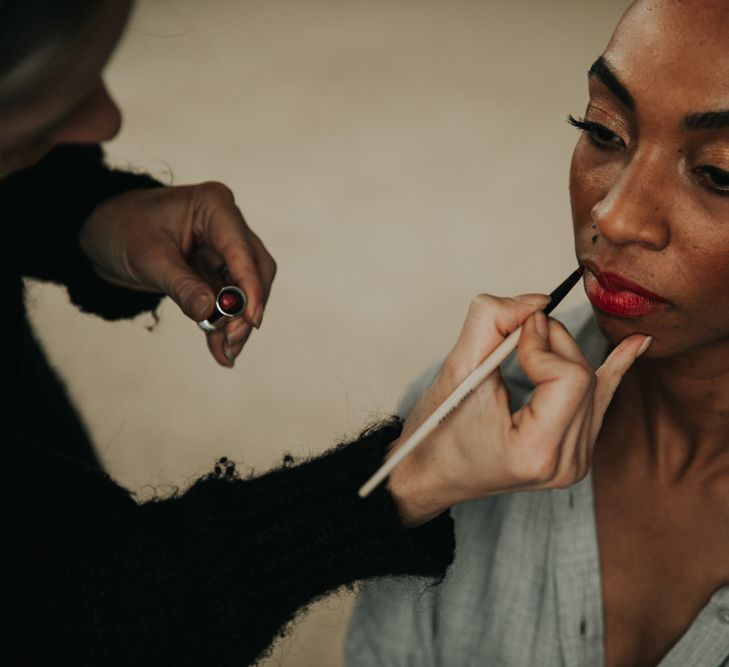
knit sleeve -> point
(208, 577)
(43, 210)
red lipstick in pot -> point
(230, 302)
(619, 296)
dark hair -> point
(34, 37)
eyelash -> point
(712, 173)
(594, 130)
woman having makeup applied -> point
(212, 574)
(630, 567)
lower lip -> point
(620, 304)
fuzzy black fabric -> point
(210, 576)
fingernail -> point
(644, 346)
(201, 306)
(258, 317)
(229, 356)
(540, 324)
(236, 334)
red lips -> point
(619, 296)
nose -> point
(635, 207)
(96, 119)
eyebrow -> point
(601, 71)
(707, 120)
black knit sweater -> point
(207, 577)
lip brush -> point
(487, 366)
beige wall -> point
(397, 157)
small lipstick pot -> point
(230, 302)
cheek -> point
(587, 187)
(705, 282)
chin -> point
(670, 338)
(23, 162)
(665, 341)
(616, 329)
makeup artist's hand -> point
(176, 240)
(483, 449)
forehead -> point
(674, 52)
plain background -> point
(396, 157)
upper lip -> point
(615, 283)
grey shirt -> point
(524, 589)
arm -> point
(211, 575)
(44, 208)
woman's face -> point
(74, 105)
(649, 181)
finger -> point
(586, 445)
(576, 448)
(563, 344)
(561, 384)
(612, 371)
(216, 345)
(546, 348)
(231, 239)
(208, 264)
(225, 346)
(266, 265)
(232, 351)
(237, 331)
(488, 321)
(573, 448)
(192, 294)
(220, 225)
(608, 377)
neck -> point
(673, 413)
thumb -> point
(185, 287)
(612, 372)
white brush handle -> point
(487, 366)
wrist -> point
(416, 491)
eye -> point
(715, 179)
(599, 135)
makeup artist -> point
(209, 576)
